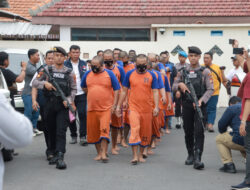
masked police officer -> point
(202, 82)
(56, 110)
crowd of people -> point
(130, 99)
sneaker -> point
(83, 141)
(37, 132)
(73, 140)
(242, 186)
(34, 134)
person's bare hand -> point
(65, 103)
(178, 94)
(35, 106)
(164, 100)
(199, 103)
(183, 87)
(235, 44)
(49, 86)
(155, 111)
(118, 112)
(23, 65)
(125, 105)
(243, 130)
(245, 53)
(73, 106)
(113, 108)
(169, 107)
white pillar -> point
(65, 33)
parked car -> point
(16, 56)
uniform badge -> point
(192, 75)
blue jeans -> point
(28, 110)
(211, 109)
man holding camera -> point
(245, 117)
(10, 77)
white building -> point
(148, 26)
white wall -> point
(194, 36)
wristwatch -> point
(243, 122)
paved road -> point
(163, 171)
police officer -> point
(202, 82)
(177, 96)
(56, 110)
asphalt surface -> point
(163, 171)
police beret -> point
(194, 49)
(59, 50)
(183, 54)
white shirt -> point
(239, 72)
(16, 130)
(78, 78)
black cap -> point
(194, 49)
(234, 58)
(59, 50)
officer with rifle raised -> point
(59, 87)
(196, 84)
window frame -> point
(216, 33)
(123, 30)
(179, 33)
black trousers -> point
(45, 128)
(178, 104)
(57, 121)
(81, 106)
(194, 131)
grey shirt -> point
(179, 66)
(207, 80)
(30, 71)
(40, 80)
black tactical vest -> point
(197, 81)
(62, 79)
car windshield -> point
(15, 62)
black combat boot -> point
(53, 160)
(228, 168)
(190, 159)
(197, 160)
(60, 164)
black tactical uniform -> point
(56, 115)
(201, 80)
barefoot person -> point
(116, 122)
(127, 66)
(141, 82)
(100, 84)
(162, 99)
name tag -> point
(192, 75)
(58, 75)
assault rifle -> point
(58, 88)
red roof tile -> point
(148, 8)
(21, 7)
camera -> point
(162, 30)
(231, 41)
(238, 51)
